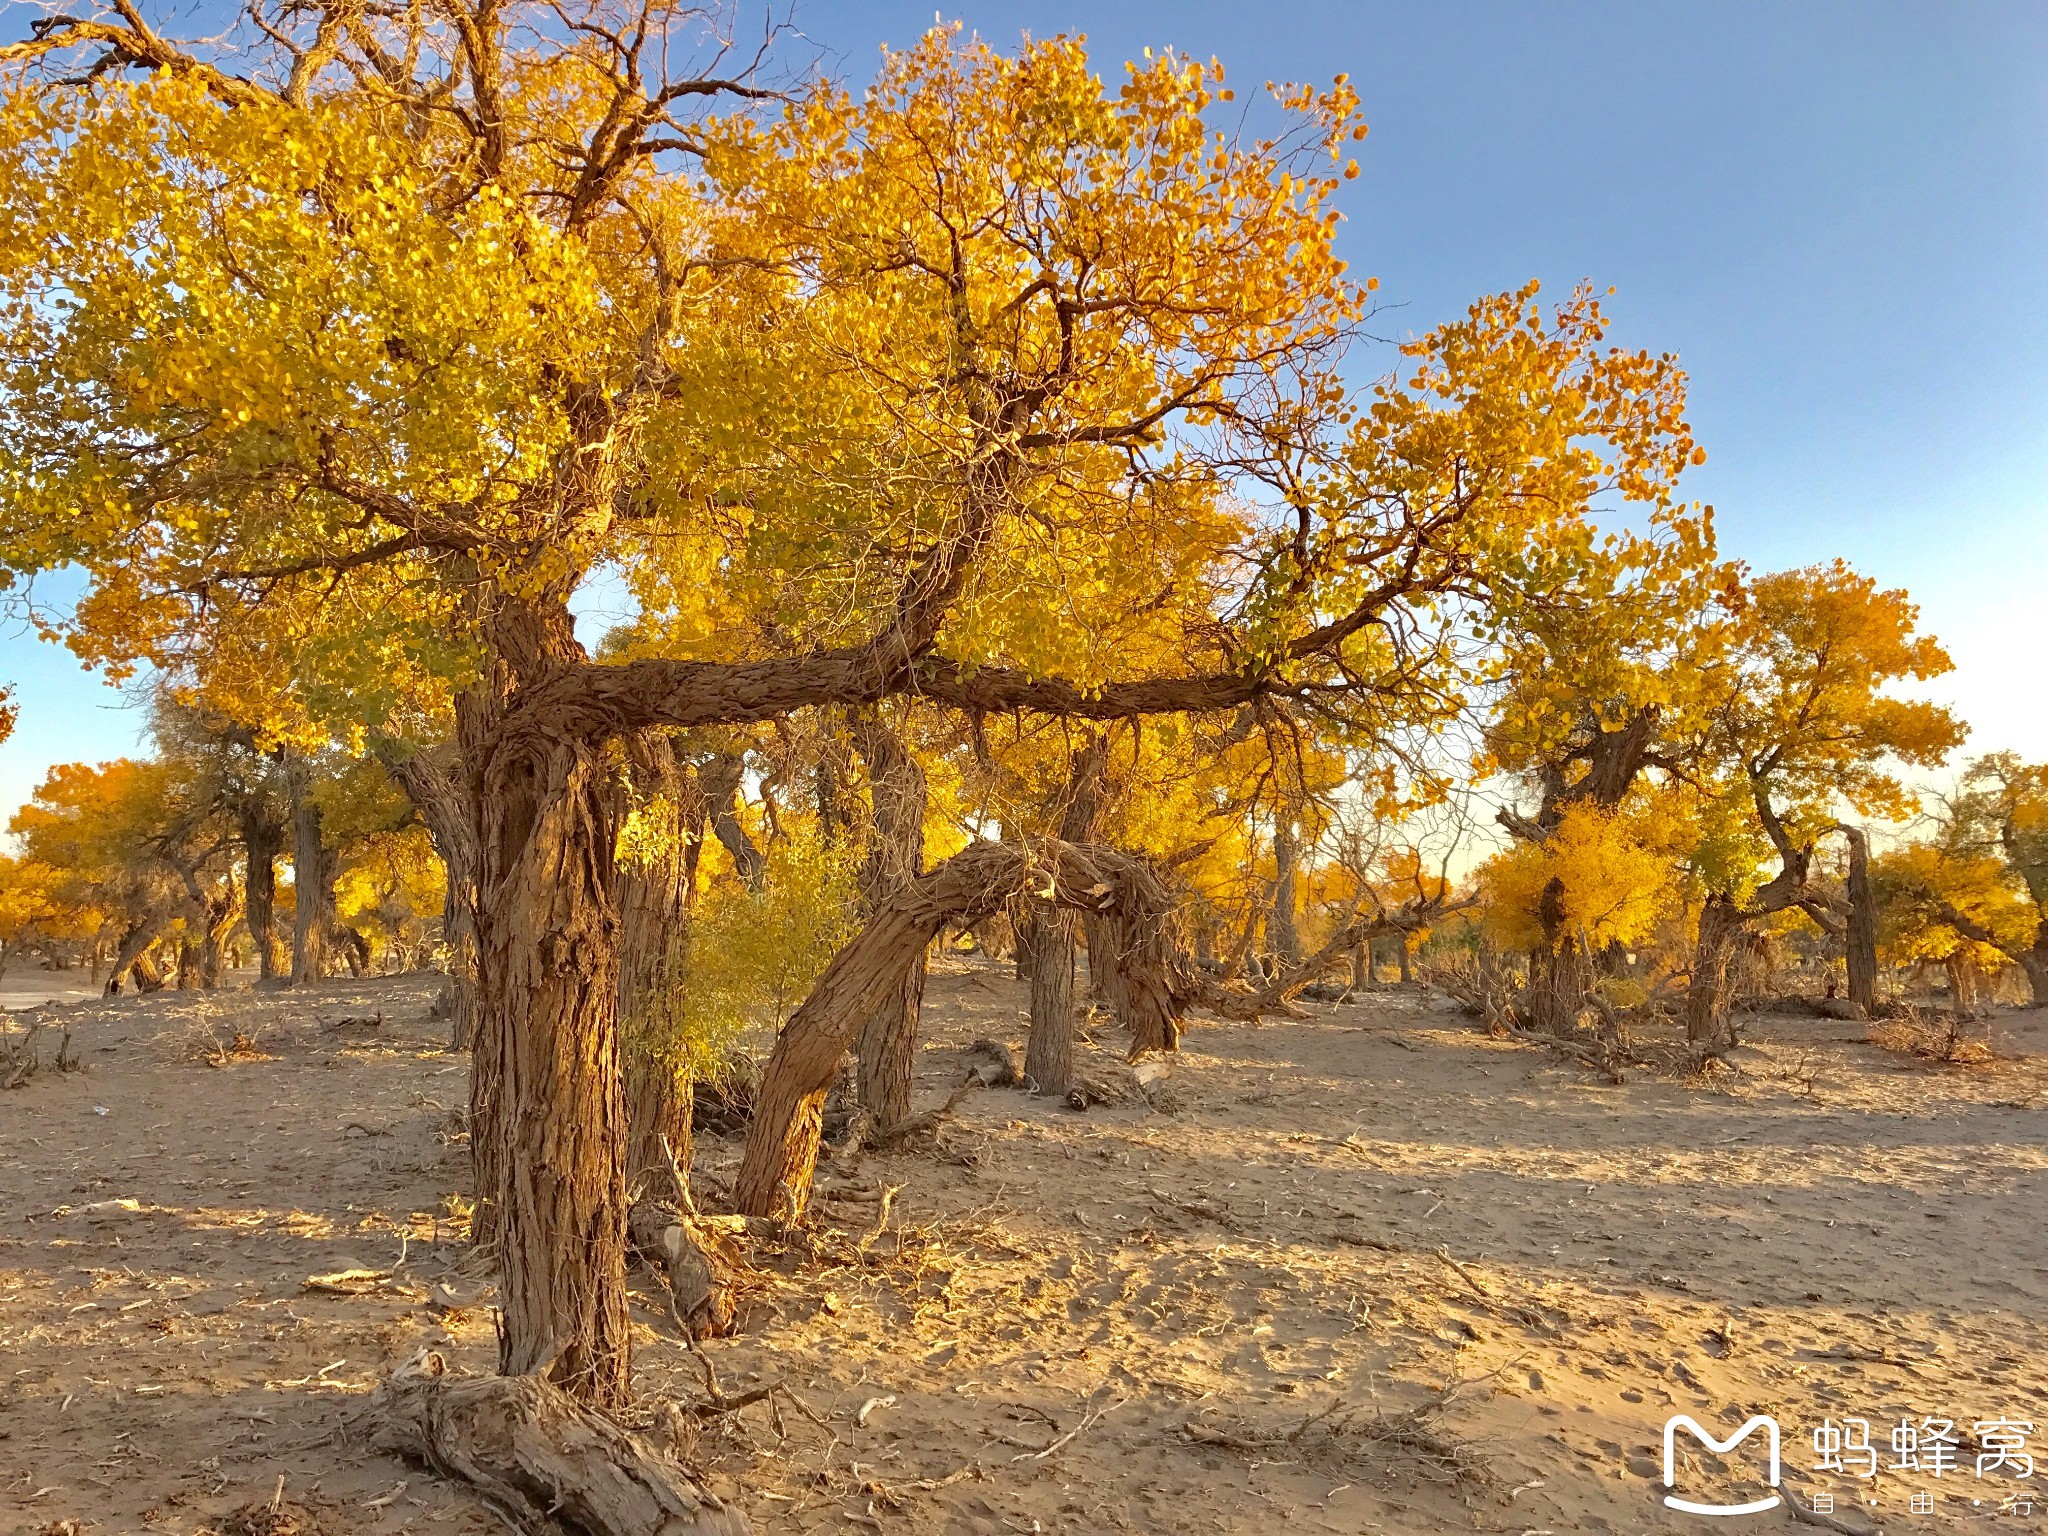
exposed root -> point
(1345, 1436)
(538, 1455)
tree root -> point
(537, 1454)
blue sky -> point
(1836, 214)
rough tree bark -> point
(262, 842)
(654, 889)
(547, 1101)
(1283, 927)
(895, 856)
(1706, 1026)
(1049, 1045)
(720, 779)
(1860, 939)
(541, 1458)
(782, 1139)
(312, 890)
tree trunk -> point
(888, 1038)
(262, 842)
(313, 892)
(1049, 1051)
(1560, 973)
(782, 1139)
(547, 1003)
(720, 778)
(439, 794)
(653, 890)
(1283, 928)
(1049, 1047)
(2035, 963)
(128, 955)
(1860, 941)
(1707, 1024)
(1361, 967)
(1401, 955)
(548, 1113)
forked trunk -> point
(262, 842)
(1049, 1050)
(548, 1116)
(1708, 1027)
(782, 1139)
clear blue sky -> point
(1836, 214)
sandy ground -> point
(1309, 1230)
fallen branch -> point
(1088, 1421)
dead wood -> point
(537, 1454)
(994, 1063)
(697, 1260)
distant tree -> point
(1804, 729)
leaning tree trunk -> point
(313, 892)
(128, 954)
(440, 795)
(887, 1046)
(1860, 939)
(782, 1139)
(1707, 1021)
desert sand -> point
(1216, 1306)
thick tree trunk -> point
(1707, 1023)
(1860, 940)
(1049, 1050)
(262, 842)
(313, 892)
(1361, 967)
(887, 1046)
(1560, 973)
(1401, 955)
(547, 1028)
(2035, 963)
(1049, 1047)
